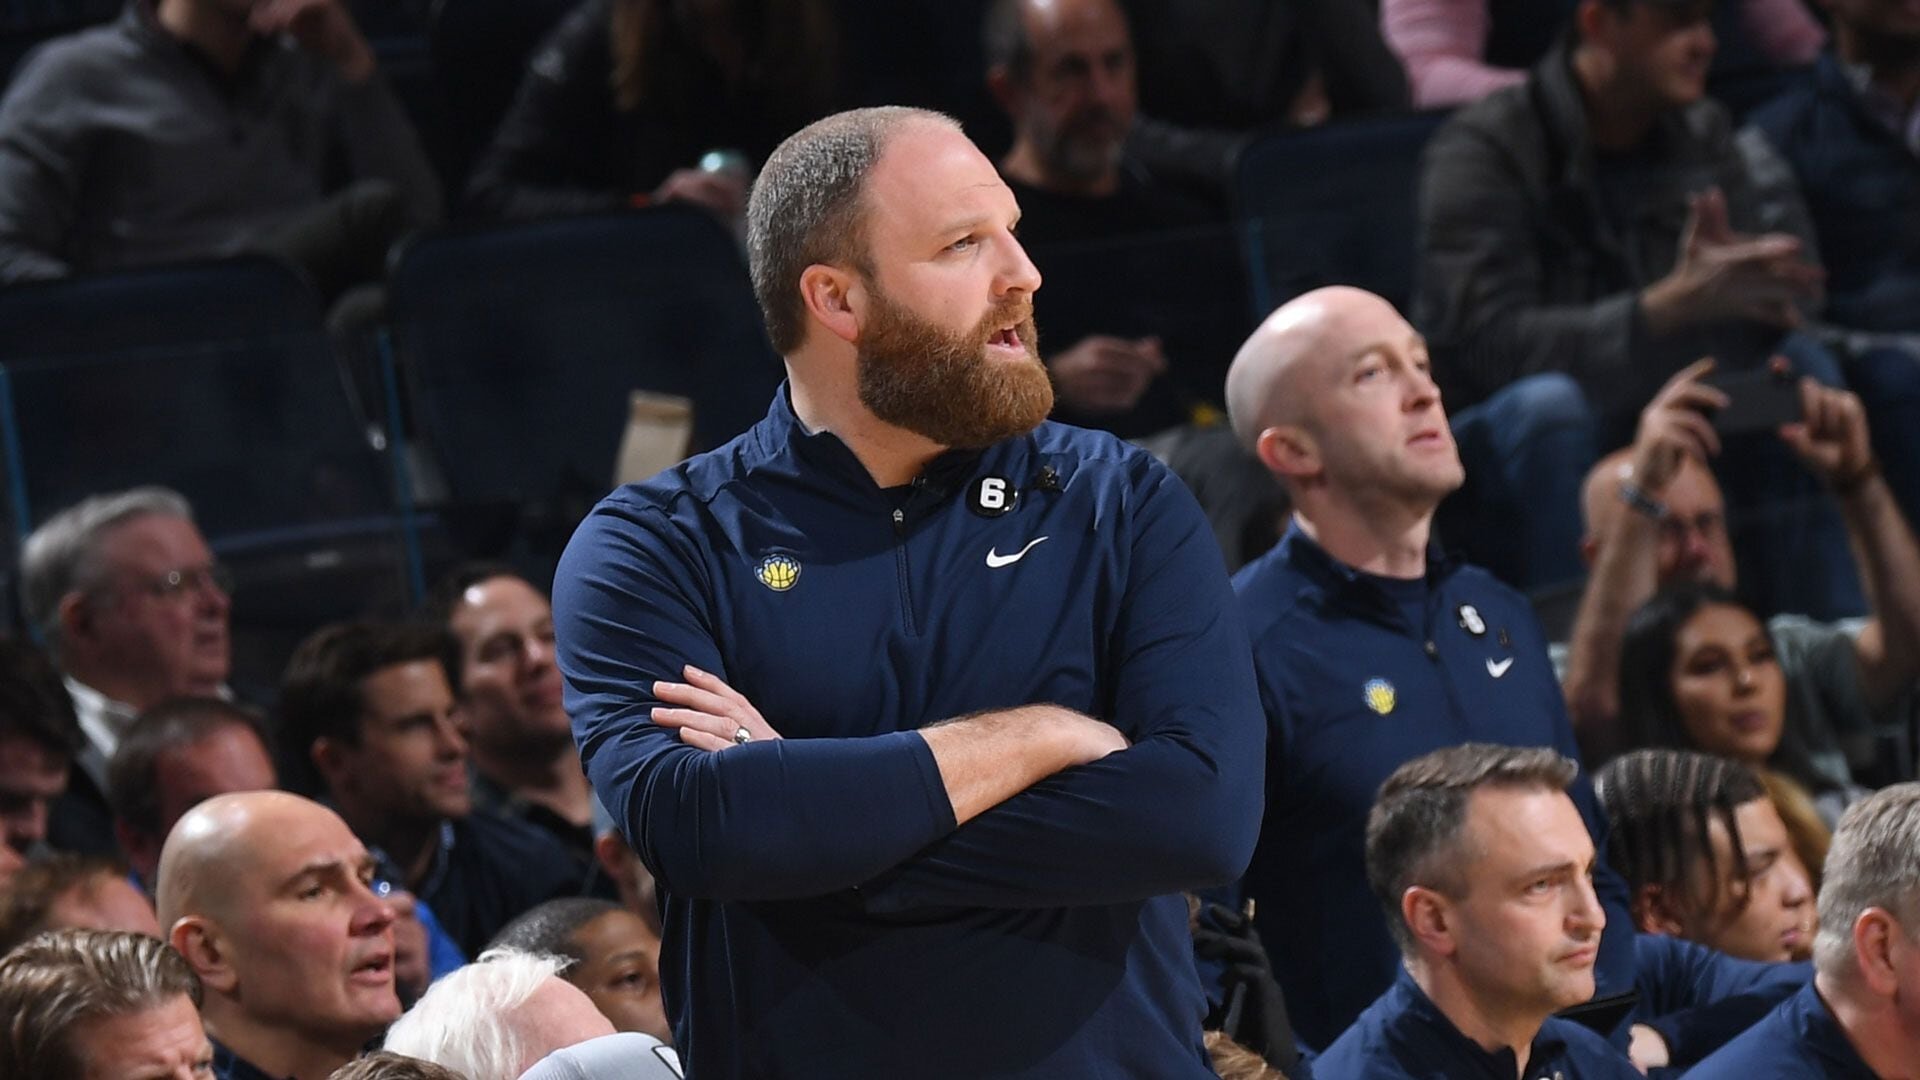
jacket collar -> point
(782, 433)
(1816, 1029)
(1346, 585)
(1414, 1024)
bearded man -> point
(1019, 715)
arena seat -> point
(518, 346)
(216, 379)
(1332, 205)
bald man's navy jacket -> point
(1352, 690)
(824, 916)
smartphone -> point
(1758, 399)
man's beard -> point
(1078, 149)
(940, 385)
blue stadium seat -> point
(1333, 205)
(216, 379)
(518, 346)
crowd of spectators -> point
(1589, 703)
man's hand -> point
(723, 192)
(1676, 425)
(1721, 274)
(709, 713)
(1102, 374)
(1831, 437)
(323, 28)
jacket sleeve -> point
(1480, 295)
(1440, 42)
(1180, 808)
(42, 161)
(1698, 999)
(773, 820)
(553, 152)
(379, 142)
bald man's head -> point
(275, 904)
(1333, 394)
(1693, 545)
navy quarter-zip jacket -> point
(824, 916)
(1352, 691)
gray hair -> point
(61, 555)
(465, 1021)
(1874, 863)
(61, 979)
(1417, 819)
(806, 207)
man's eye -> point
(962, 244)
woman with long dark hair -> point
(1699, 671)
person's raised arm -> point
(1833, 440)
(1674, 427)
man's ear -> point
(1004, 89)
(75, 616)
(1655, 911)
(1593, 20)
(1288, 451)
(334, 759)
(1429, 916)
(199, 940)
(1874, 944)
(832, 296)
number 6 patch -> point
(992, 496)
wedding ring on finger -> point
(741, 736)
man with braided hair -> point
(1706, 854)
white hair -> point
(1874, 863)
(60, 556)
(461, 1022)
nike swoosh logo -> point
(1498, 669)
(997, 560)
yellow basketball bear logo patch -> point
(778, 572)
(1380, 696)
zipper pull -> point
(899, 521)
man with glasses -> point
(126, 593)
(1656, 517)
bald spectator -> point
(497, 1017)
(130, 599)
(72, 892)
(368, 707)
(176, 755)
(1857, 1018)
(1655, 517)
(524, 762)
(100, 1005)
(38, 741)
(1063, 71)
(271, 899)
(613, 954)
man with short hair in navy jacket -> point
(922, 711)
(1370, 647)
(1859, 1019)
(1485, 871)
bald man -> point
(1371, 648)
(1655, 517)
(274, 904)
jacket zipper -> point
(900, 561)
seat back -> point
(1334, 205)
(217, 380)
(521, 344)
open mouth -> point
(374, 970)
(1006, 338)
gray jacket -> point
(1522, 268)
(120, 145)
